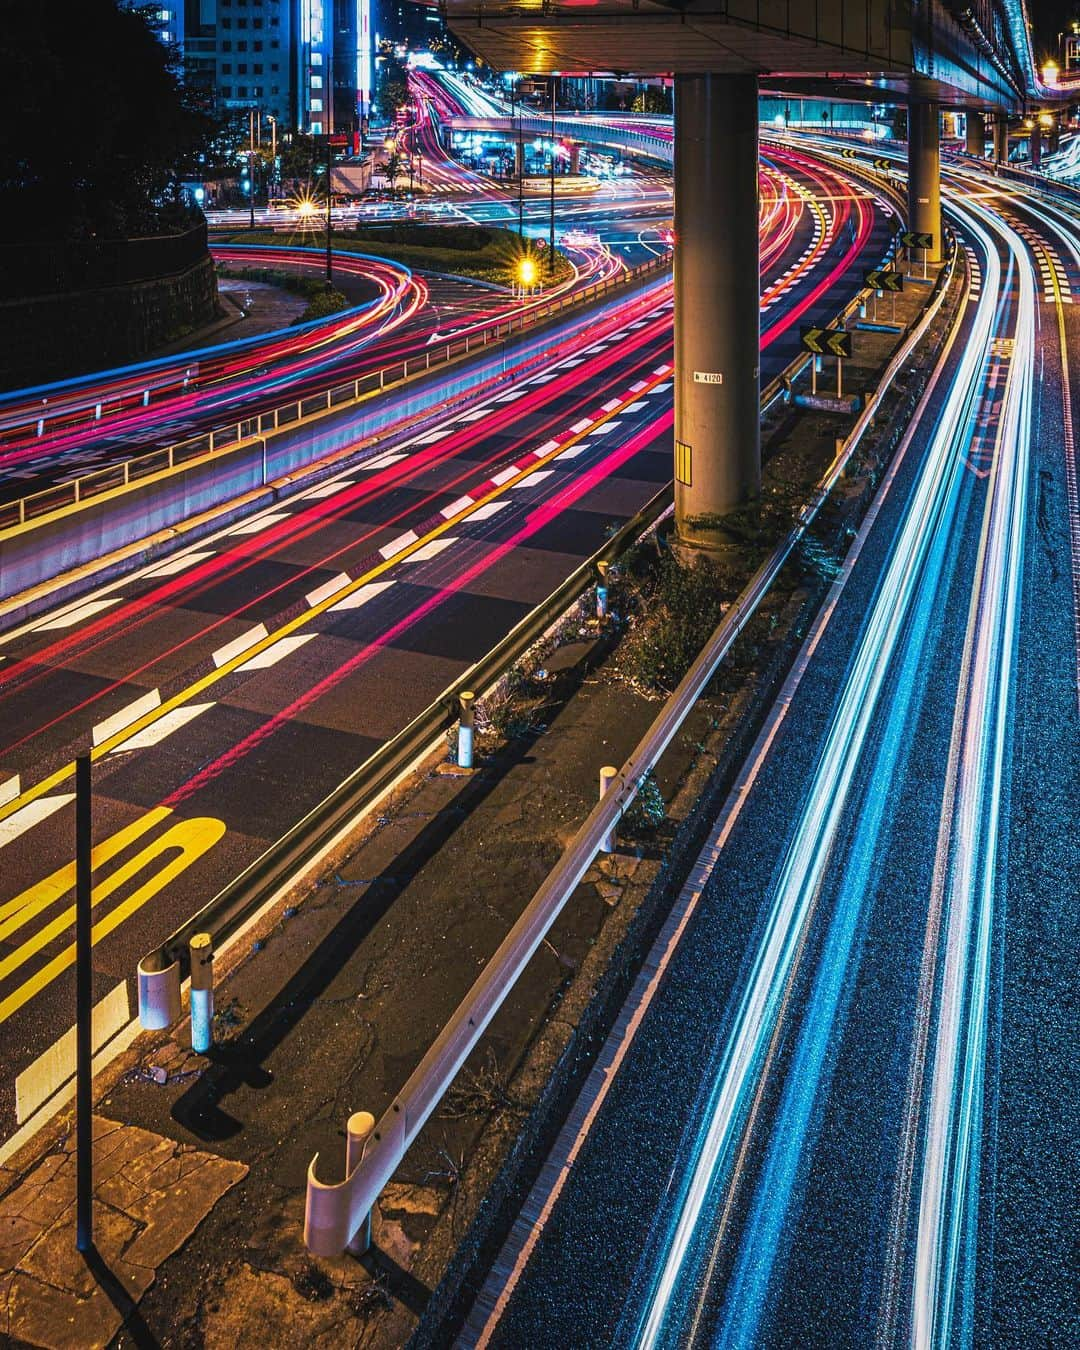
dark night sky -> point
(1049, 17)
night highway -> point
(817, 1145)
(227, 689)
(540, 785)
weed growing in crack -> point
(312, 1283)
(481, 1092)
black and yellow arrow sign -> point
(879, 279)
(883, 165)
(909, 239)
(826, 341)
(848, 153)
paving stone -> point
(172, 1215)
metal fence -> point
(23, 509)
(335, 1212)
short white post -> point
(608, 775)
(201, 948)
(146, 398)
(358, 1131)
(465, 730)
(97, 412)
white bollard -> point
(608, 775)
(465, 731)
(159, 994)
(358, 1132)
(146, 398)
(602, 592)
(201, 948)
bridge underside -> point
(859, 43)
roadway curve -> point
(229, 688)
(847, 1115)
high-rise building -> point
(306, 63)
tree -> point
(392, 168)
(96, 124)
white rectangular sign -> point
(708, 377)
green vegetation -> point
(321, 302)
(461, 250)
(675, 608)
(96, 123)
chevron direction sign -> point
(909, 239)
(826, 341)
(883, 165)
(848, 153)
(879, 279)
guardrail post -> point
(608, 775)
(602, 591)
(358, 1132)
(201, 948)
(466, 724)
(146, 398)
(159, 992)
(382, 378)
(97, 412)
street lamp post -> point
(251, 168)
(329, 200)
(551, 226)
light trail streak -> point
(925, 523)
(966, 864)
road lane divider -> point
(483, 503)
(336, 1211)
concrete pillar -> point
(924, 173)
(575, 157)
(1053, 138)
(1036, 145)
(717, 357)
(976, 134)
(1001, 139)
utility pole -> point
(551, 228)
(273, 147)
(520, 163)
(251, 167)
(329, 249)
(84, 1046)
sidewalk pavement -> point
(150, 1194)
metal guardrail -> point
(575, 128)
(130, 471)
(161, 972)
(336, 1212)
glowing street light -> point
(526, 273)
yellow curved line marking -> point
(187, 840)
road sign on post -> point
(883, 165)
(910, 239)
(826, 341)
(882, 279)
(849, 153)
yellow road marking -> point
(188, 840)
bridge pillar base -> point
(976, 134)
(924, 173)
(1036, 145)
(717, 357)
(1001, 139)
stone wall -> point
(50, 337)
